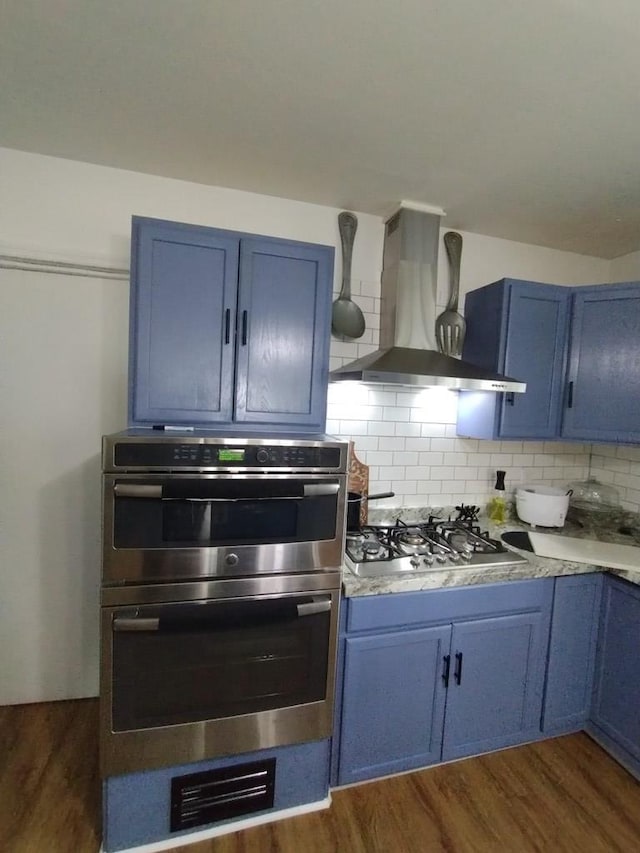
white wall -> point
(626, 268)
(63, 343)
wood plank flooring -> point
(560, 796)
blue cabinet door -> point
(616, 700)
(228, 329)
(603, 394)
(284, 333)
(393, 703)
(518, 328)
(572, 647)
(183, 304)
(495, 691)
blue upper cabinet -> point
(283, 345)
(603, 392)
(517, 328)
(575, 347)
(228, 329)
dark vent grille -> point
(214, 795)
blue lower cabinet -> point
(572, 649)
(469, 679)
(393, 707)
(495, 693)
(615, 713)
(137, 807)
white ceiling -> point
(521, 119)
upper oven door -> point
(162, 527)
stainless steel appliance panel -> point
(159, 687)
(162, 527)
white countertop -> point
(535, 567)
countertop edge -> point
(535, 567)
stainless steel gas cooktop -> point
(435, 545)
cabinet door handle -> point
(244, 328)
(570, 396)
(457, 675)
(446, 661)
(227, 325)
(509, 398)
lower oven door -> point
(191, 680)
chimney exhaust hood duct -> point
(408, 354)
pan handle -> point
(377, 497)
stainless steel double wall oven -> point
(221, 584)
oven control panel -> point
(218, 456)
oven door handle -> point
(227, 616)
(140, 490)
(310, 608)
(137, 490)
(122, 623)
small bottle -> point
(497, 508)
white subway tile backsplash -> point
(366, 442)
(379, 457)
(405, 457)
(395, 413)
(392, 443)
(552, 473)
(628, 452)
(465, 472)
(407, 429)
(511, 447)
(632, 500)
(382, 397)
(523, 459)
(431, 457)
(408, 439)
(482, 458)
(433, 430)
(627, 481)
(404, 487)
(353, 427)
(501, 460)
(446, 444)
(442, 472)
(392, 472)
(381, 428)
(455, 458)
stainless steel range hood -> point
(408, 353)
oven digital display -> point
(230, 454)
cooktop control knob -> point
(428, 559)
(262, 456)
(415, 562)
(440, 557)
(467, 554)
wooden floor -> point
(560, 796)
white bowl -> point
(542, 505)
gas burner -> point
(411, 536)
(418, 547)
(372, 549)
